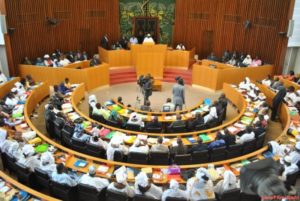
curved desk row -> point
(92, 77)
(232, 94)
(212, 74)
(15, 187)
(71, 156)
(7, 86)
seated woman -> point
(174, 191)
(200, 187)
(247, 61)
(256, 62)
(142, 186)
(121, 185)
(146, 107)
(228, 183)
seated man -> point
(99, 110)
(179, 148)
(95, 140)
(159, 147)
(60, 177)
(178, 123)
(199, 120)
(246, 137)
(219, 142)
(135, 119)
(47, 163)
(139, 146)
(168, 106)
(288, 167)
(90, 180)
(198, 147)
(212, 113)
(154, 123)
(212, 57)
(148, 39)
(121, 185)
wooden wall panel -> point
(81, 25)
(217, 25)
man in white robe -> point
(228, 183)
(91, 180)
(174, 191)
(142, 186)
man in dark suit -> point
(154, 123)
(198, 147)
(104, 42)
(147, 88)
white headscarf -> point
(28, 150)
(92, 98)
(14, 146)
(47, 157)
(121, 177)
(201, 172)
(229, 180)
(142, 179)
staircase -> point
(122, 75)
(171, 73)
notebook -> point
(80, 163)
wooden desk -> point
(93, 77)
(6, 87)
(213, 78)
(157, 85)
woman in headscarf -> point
(247, 61)
(47, 163)
(228, 183)
(142, 186)
(121, 185)
(200, 187)
(174, 191)
(277, 100)
(113, 146)
(29, 159)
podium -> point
(149, 59)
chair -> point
(137, 158)
(11, 163)
(58, 126)
(183, 159)
(133, 127)
(90, 193)
(24, 175)
(246, 197)
(116, 196)
(291, 179)
(249, 147)
(42, 178)
(158, 158)
(231, 195)
(90, 111)
(118, 156)
(66, 135)
(63, 191)
(78, 145)
(175, 199)
(153, 130)
(50, 127)
(143, 198)
(98, 118)
(200, 157)
(94, 150)
(4, 160)
(177, 129)
(234, 150)
(112, 123)
(212, 123)
(200, 127)
(218, 154)
(260, 141)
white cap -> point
(47, 157)
(142, 179)
(46, 56)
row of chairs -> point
(39, 179)
(64, 134)
(176, 129)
